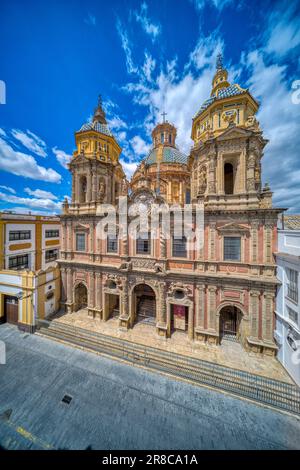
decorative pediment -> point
(233, 228)
(79, 159)
(234, 132)
(81, 228)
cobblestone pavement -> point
(230, 353)
(117, 406)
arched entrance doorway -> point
(144, 304)
(230, 319)
(80, 297)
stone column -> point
(73, 187)
(69, 290)
(89, 186)
(123, 237)
(254, 241)
(268, 232)
(212, 308)
(254, 313)
(200, 306)
(94, 186)
(221, 174)
(98, 292)
(212, 241)
(64, 286)
(161, 314)
(69, 239)
(124, 307)
(191, 322)
(267, 323)
(162, 244)
(92, 240)
(251, 170)
(212, 174)
(76, 187)
(91, 291)
(243, 171)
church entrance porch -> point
(80, 297)
(230, 318)
(112, 306)
(231, 354)
(144, 303)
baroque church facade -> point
(227, 287)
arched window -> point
(228, 178)
(82, 189)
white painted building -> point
(287, 333)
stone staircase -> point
(280, 395)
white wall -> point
(288, 257)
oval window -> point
(112, 285)
(179, 294)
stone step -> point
(272, 392)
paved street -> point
(116, 406)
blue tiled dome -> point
(231, 90)
(96, 126)
(170, 155)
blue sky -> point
(143, 57)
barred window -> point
(51, 255)
(179, 247)
(112, 244)
(52, 233)
(19, 235)
(292, 287)
(18, 262)
(232, 248)
(292, 315)
(143, 246)
(80, 241)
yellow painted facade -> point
(223, 107)
(33, 292)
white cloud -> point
(116, 123)
(180, 96)
(181, 93)
(2, 132)
(62, 157)
(131, 68)
(40, 193)
(31, 141)
(140, 147)
(22, 164)
(35, 203)
(90, 20)
(121, 136)
(283, 32)
(8, 188)
(279, 119)
(129, 168)
(218, 4)
(149, 66)
(151, 28)
(206, 51)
